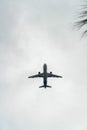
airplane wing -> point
(53, 75)
(40, 75)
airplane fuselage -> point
(45, 75)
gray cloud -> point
(34, 32)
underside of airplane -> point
(45, 75)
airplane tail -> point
(45, 87)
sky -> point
(33, 33)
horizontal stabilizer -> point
(45, 87)
(49, 86)
(41, 87)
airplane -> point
(45, 75)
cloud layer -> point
(33, 33)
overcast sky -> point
(34, 32)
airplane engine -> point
(50, 72)
(38, 72)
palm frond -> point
(84, 33)
(81, 23)
(82, 20)
(83, 14)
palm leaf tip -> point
(84, 33)
(81, 23)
